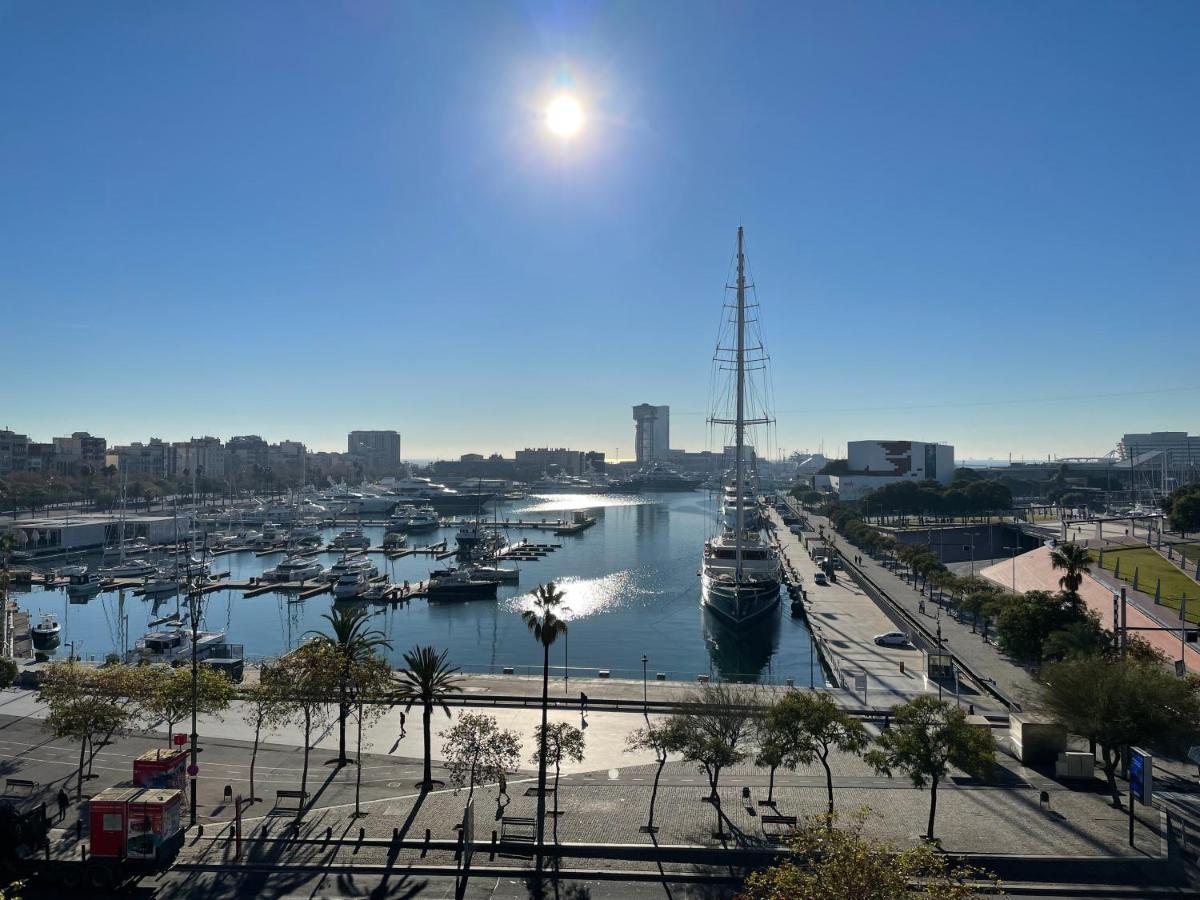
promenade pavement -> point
(602, 806)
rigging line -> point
(972, 403)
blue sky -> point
(297, 219)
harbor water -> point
(631, 584)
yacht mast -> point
(740, 425)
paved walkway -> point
(983, 657)
(844, 621)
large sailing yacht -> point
(740, 571)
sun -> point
(564, 116)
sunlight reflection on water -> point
(563, 502)
(587, 596)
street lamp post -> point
(645, 696)
(1014, 566)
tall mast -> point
(740, 425)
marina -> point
(629, 576)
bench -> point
(25, 783)
(518, 828)
(298, 796)
(780, 827)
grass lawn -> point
(1150, 567)
(1191, 551)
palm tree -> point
(353, 643)
(428, 680)
(1074, 561)
(545, 627)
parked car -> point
(892, 639)
(820, 578)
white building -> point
(652, 435)
(873, 464)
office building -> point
(1182, 449)
(652, 432)
(873, 464)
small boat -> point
(160, 583)
(46, 631)
(133, 568)
(70, 571)
(515, 495)
(376, 593)
(395, 540)
(86, 585)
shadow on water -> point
(740, 653)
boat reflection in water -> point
(741, 653)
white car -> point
(892, 639)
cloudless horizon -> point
(967, 222)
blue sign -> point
(1141, 775)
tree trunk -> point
(541, 803)
(79, 787)
(556, 801)
(828, 787)
(713, 778)
(358, 764)
(933, 786)
(654, 791)
(427, 776)
(343, 713)
(771, 786)
(1110, 774)
(307, 736)
(254, 758)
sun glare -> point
(564, 116)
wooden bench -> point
(298, 796)
(780, 827)
(518, 828)
(25, 783)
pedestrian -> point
(402, 730)
(503, 789)
(970, 709)
(64, 801)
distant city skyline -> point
(957, 217)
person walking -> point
(64, 803)
(402, 729)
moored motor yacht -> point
(294, 569)
(419, 519)
(341, 567)
(351, 538)
(351, 584)
(460, 584)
